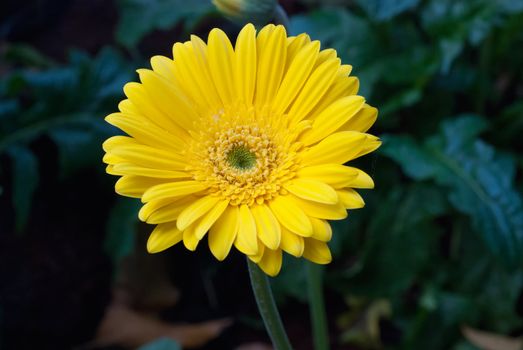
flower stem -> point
(317, 306)
(267, 307)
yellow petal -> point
(261, 249)
(245, 64)
(131, 169)
(362, 121)
(135, 186)
(203, 74)
(320, 210)
(296, 76)
(294, 45)
(270, 262)
(127, 106)
(163, 66)
(371, 143)
(169, 212)
(325, 55)
(272, 52)
(223, 233)
(109, 170)
(160, 97)
(322, 230)
(150, 207)
(291, 216)
(163, 236)
(195, 211)
(291, 243)
(335, 175)
(362, 180)
(332, 118)
(190, 79)
(173, 189)
(141, 99)
(117, 141)
(312, 190)
(337, 148)
(314, 89)
(267, 226)
(350, 199)
(146, 132)
(344, 70)
(111, 159)
(341, 86)
(317, 252)
(190, 241)
(246, 239)
(150, 157)
(210, 218)
(221, 58)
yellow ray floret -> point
(245, 144)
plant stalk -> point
(267, 307)
(317, 306)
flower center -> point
(241, 158)
(243, 155)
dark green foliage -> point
(161, 344)
(479, 181)
(66, 104)
(441, 236)
(121, 229)
(25, 180)
(140, 17)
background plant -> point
(439, 243)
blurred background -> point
(434, 261)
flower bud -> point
(254, 11)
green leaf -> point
(27, 56)
(291, 281)
(121, 229)
(479, 180)
(380, 271)
(161, 344)
(140, 17)
(25, 180)
(72, 141)
(381, 10)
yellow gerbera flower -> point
(244, 144)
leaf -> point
(121, 229)
(161, 344)
(291, 281)
(361, 324)
(491, 341)
(72, 142)
(330, 26)
(479, 180)
(450, 50)
(27, 56)
(131, 329)
(140, 17)
(381, 10)
(403, 219)
(25, 180)
(79, 137)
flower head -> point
(245, 145)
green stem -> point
(317, 306)
(267, 307)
